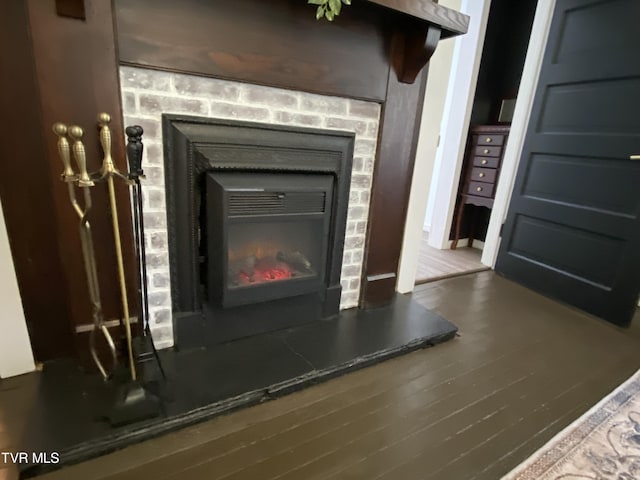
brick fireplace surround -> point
(147, 94)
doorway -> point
(457, 216)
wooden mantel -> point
(432, 22)
(450, 21)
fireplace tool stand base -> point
(132, 402)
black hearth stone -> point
(206, 381)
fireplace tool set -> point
(133, 401)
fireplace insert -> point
(267, 235)
(257, 217)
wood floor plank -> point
(338, 425)
(356, 398)
(439, 437)
(486, 429)
(522, 368)
(406, 418)
(435, 264)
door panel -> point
(573, 227)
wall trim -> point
(438, 81)
(519, 126)
(16, 356)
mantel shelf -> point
(451, 22)
(435, 23)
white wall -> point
(453, 72)
(15, 350)
(430, 128)
(434, 98)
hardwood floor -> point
(522, 369)
(434, 264)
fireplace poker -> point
(84, 182)
(134, 155)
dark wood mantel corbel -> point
(430, 22)
(419, 46)
(71, 9)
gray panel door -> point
(573, 226)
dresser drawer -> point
(487, 162)
(490, 140)
(481, 189)
(487, 151)
(487, 175)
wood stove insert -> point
(256, 224)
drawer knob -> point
(483, 162)
(489, 140)
(481, 175)
(479, 189)
(486, 150)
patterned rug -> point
(603, 444)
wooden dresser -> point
(481, 169)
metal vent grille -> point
(273, 203)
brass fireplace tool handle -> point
(84, 182)
(107, 173)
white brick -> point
(152, 154)
(154, 199)
(357, 213)
(161, 316)
(270, 97)
(190, 85)
(297, 119)
(357, 126)
(358, 108)
(242, 112)
(129, 102)
(144, 79)
(157, 104)
(155, 220)
(365, 147)
(372, 130)
(163, 337)
(161, 280)
(318, 104)
(159, 299)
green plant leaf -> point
(328, 9)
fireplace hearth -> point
(257, 217)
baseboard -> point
(462, 242)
